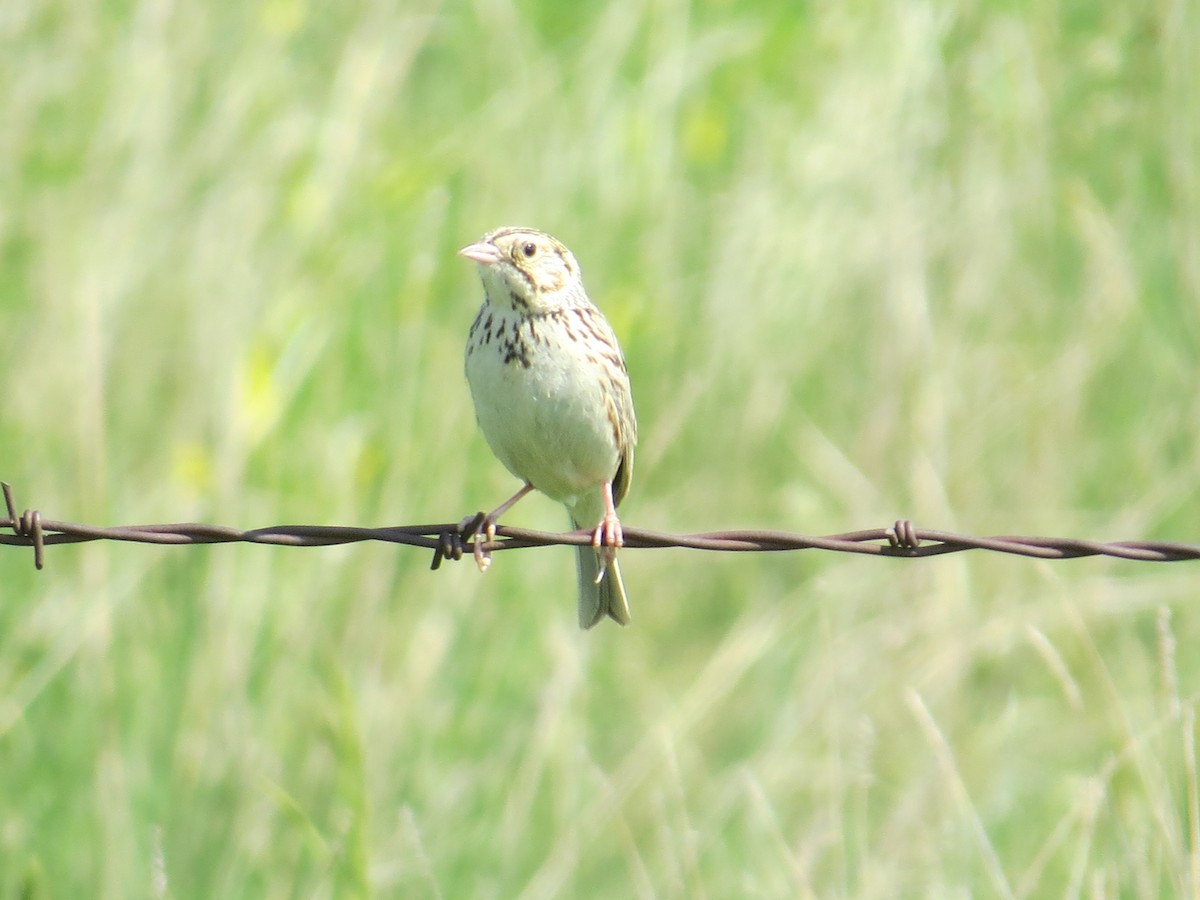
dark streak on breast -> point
(516, 351)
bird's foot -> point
(607, 539)
(481, 529)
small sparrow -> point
(552, 398)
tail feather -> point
(598, 600)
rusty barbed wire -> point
(901, 540)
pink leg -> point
(607, 537)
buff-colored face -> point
(530, 268)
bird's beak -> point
(483, 253)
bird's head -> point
(526, 269)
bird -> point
(552, 397)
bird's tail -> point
(597, 600)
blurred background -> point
(937, 259)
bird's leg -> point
(607, 537)
(483, 528)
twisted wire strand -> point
(902, 540)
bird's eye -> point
(529, 250)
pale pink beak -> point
(483, 253)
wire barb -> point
(903, 535)
(450, 543)
(27, 526)
(901, 540)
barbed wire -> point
(902, 540)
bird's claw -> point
(607, 539)
(484, 534)
(481, 528)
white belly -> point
(548, 422)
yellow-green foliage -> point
(931, 259)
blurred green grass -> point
(937, 260)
